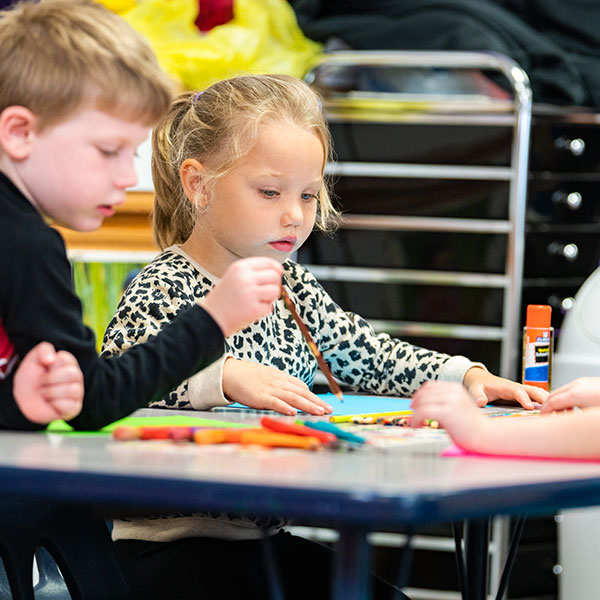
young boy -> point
(79, 90)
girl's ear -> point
(17, 131)
(191, 174)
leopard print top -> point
(366, 361)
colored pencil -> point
(348, 418)
(333, 384)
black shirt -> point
(38, 303)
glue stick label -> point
(537, 356)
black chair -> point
(80, 544)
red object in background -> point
(212, 13)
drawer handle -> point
(564, 304)
(571, 200)
(576, 146)
(568, 251)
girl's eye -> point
(107, 152)
(269, 193)
(308, 197)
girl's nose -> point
(293, 214)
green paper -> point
(162, 421)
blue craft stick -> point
(337, 431)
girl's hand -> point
(485, 387)
(48, 385)
(245, 293)
(583, 393)
(451, 406)
(262, 386)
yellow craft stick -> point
(348, 418)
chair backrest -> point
(79, 543)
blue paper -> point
(353, 404)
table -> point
(353, 492)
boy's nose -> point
(127, 176)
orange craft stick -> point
(333, 384)
(279, 440)
(210, 436)
(221, 436)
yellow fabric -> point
(262, 37)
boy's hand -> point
(451, 406)
(245, 293)
(485, 387)
(48, 385)
(262, 386)
(583, 392)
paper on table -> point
(356, 405)
(457, 451)
(158, 421)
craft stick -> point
(282, 426)
(210, 436)
(279, 440)
(125, 433)
(339, 433)
(333, 384)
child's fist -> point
(245, 293)
(48, 385)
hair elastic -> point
(196, 97)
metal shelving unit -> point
(456, 111)
(383, 113)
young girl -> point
(559, 432)
(239, 171)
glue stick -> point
(538, 341)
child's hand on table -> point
(583, 393)
(452, 407)
(48, 385)
(485, 387)
(245, 293)
(264, 387)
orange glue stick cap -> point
(539, 316)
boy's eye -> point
(309, 197)
(107, 151)
(269, 193)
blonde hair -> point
(219, 126)
(59, 55)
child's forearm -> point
(568, 435)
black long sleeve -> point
(38, 303)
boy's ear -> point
(17, 130)
(191, 174)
